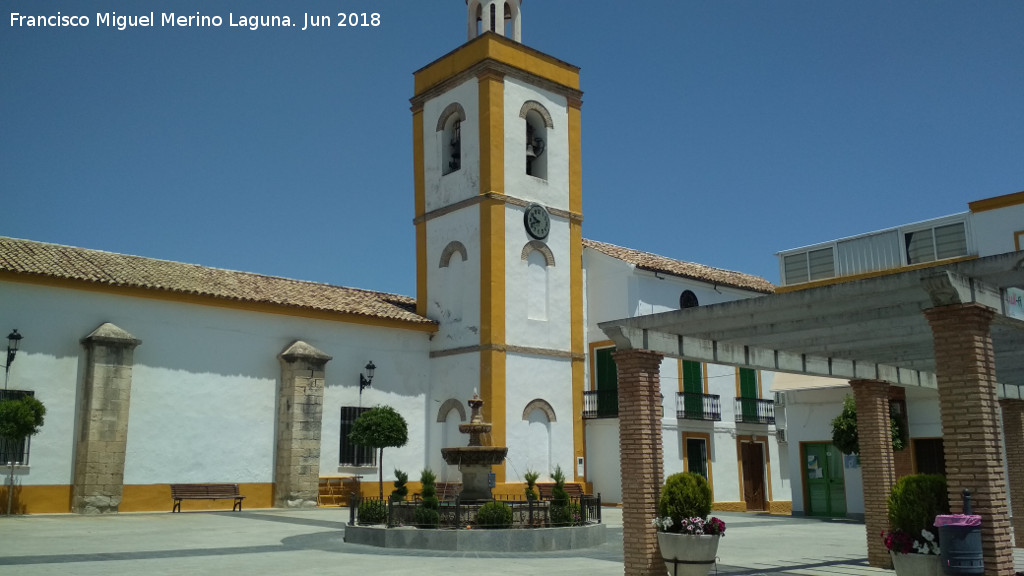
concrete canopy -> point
(871, 328)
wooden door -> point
(752, 454)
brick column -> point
(965, 370)
(103, 417)
(640, 459)
(1013, 428)
(877, 463)
(300, 407)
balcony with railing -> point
(755, 411)
(693, 406)
(601, 403)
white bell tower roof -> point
(503, 17)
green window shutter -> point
(693, 387)
(748, 391)
(607, 383)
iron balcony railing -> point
(693, 406)
(601, 403)
(755, 411)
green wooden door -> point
(693, 388)
(607, 384)
(823, 476)
(748, 393)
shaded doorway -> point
(754, 493)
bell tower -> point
(499, 16)
(496, 153)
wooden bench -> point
(573, 489)
(181, 492)
(336, 490)
(446, 491)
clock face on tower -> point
(537, 221)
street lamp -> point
(364, 381)
(12, 350)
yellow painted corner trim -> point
(997, 202)
(865, 275)
(492, 47)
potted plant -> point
(687, 537)
(913, 540)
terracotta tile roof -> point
(40, 259)
(655, 263)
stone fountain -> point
(476, 459)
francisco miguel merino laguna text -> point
(166, 19)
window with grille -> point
(352, 454)
(12, 450)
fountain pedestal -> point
(476, 459)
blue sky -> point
(717, 132)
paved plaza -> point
(275, 541)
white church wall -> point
(453, 295)
(603, 458)
(204, 385)
(530, 378)
(523, 328)
(464, 183)
(607, 293)
(550, 191)
(454, 377)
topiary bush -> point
(531, 477)
(561, 514)
(915, 501)
(684, 495)
(427, 515)
(372, 512)
(494, 515)
(401, 490)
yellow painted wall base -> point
(157, 497)
(729, 506)
(778, 507)
(38, 499)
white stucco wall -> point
(453, 292)
(521, 330)
(549, 379)
(204, 385)
(464, 183)
(552, 191)
(994, 229)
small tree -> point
(380, 427)
(844, 429)
(427, 515)
(19, 419)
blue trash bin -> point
(960, 543)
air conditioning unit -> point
(780, 434)
(780, 398)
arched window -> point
(449, 124)
(688, 299)
(538, 122)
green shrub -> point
(426, 517)
(915, 501)
(561, 515)
(568, 515)
(685, 495)
(401, 490)
(494, 515)
(372, 512)
(844, 429)
(531, 484)
(428, 493)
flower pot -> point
(916, 564)
(687, 554)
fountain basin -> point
(474, 455)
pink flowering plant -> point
(904, 543)
(684, 506)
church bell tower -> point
(496, 149)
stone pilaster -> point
(103, 421)
(300, 407)
(877, 463)
(640, 459)
(965, 370)
(1013, 428)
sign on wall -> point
(1014, 299)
